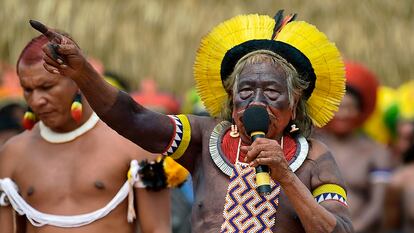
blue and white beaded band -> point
(380, 175)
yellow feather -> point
(327, 64)
(175, 173)
(323, 55)
(213, 48)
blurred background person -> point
(399, 214)
(405, 123)
(154, 99)
(363, 163)
(11, 103)
(11, 115)
(117, 80)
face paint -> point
(263, 84)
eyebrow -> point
(39, 82)
(266, 82)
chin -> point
(52, 123)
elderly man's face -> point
(264, 85)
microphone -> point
(256, 123)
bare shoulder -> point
(12, 152)
(317, 149)
(202, 123)
(325, 169)
(123, 147)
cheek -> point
(62, 100)
(279, 120)
(239, 103)
(237, 115)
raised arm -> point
(152, 131)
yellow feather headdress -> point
(316, 59)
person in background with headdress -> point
(405, 120)
(258, 77)
(117, 80)
(365, 164)
(399, 208)
(155, 100)
(11, 103)
(70, 172)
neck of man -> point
(72, 124)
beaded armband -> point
(181, 137)
(328, 192)
(380, 175)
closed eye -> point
(272, 94)
(47, 87)
(245, 93)
(27, 90)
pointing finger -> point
(50, 34)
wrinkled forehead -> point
(263, 71)
(35, 74)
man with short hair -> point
(69, 172)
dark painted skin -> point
(261, 84)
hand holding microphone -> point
(256, 124)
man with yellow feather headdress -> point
(265, 82)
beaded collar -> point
(54, 137)
(222, 162)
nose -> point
(37, 99)
(259, 98)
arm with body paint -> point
(327, 216)
(151, 130)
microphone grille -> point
(256, 118)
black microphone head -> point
(256, 118)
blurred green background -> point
(159, 38)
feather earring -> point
(29, 119)
(76, 108)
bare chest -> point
(60, 177)
(211, 187)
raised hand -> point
(61, 54)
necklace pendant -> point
(234, 132)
